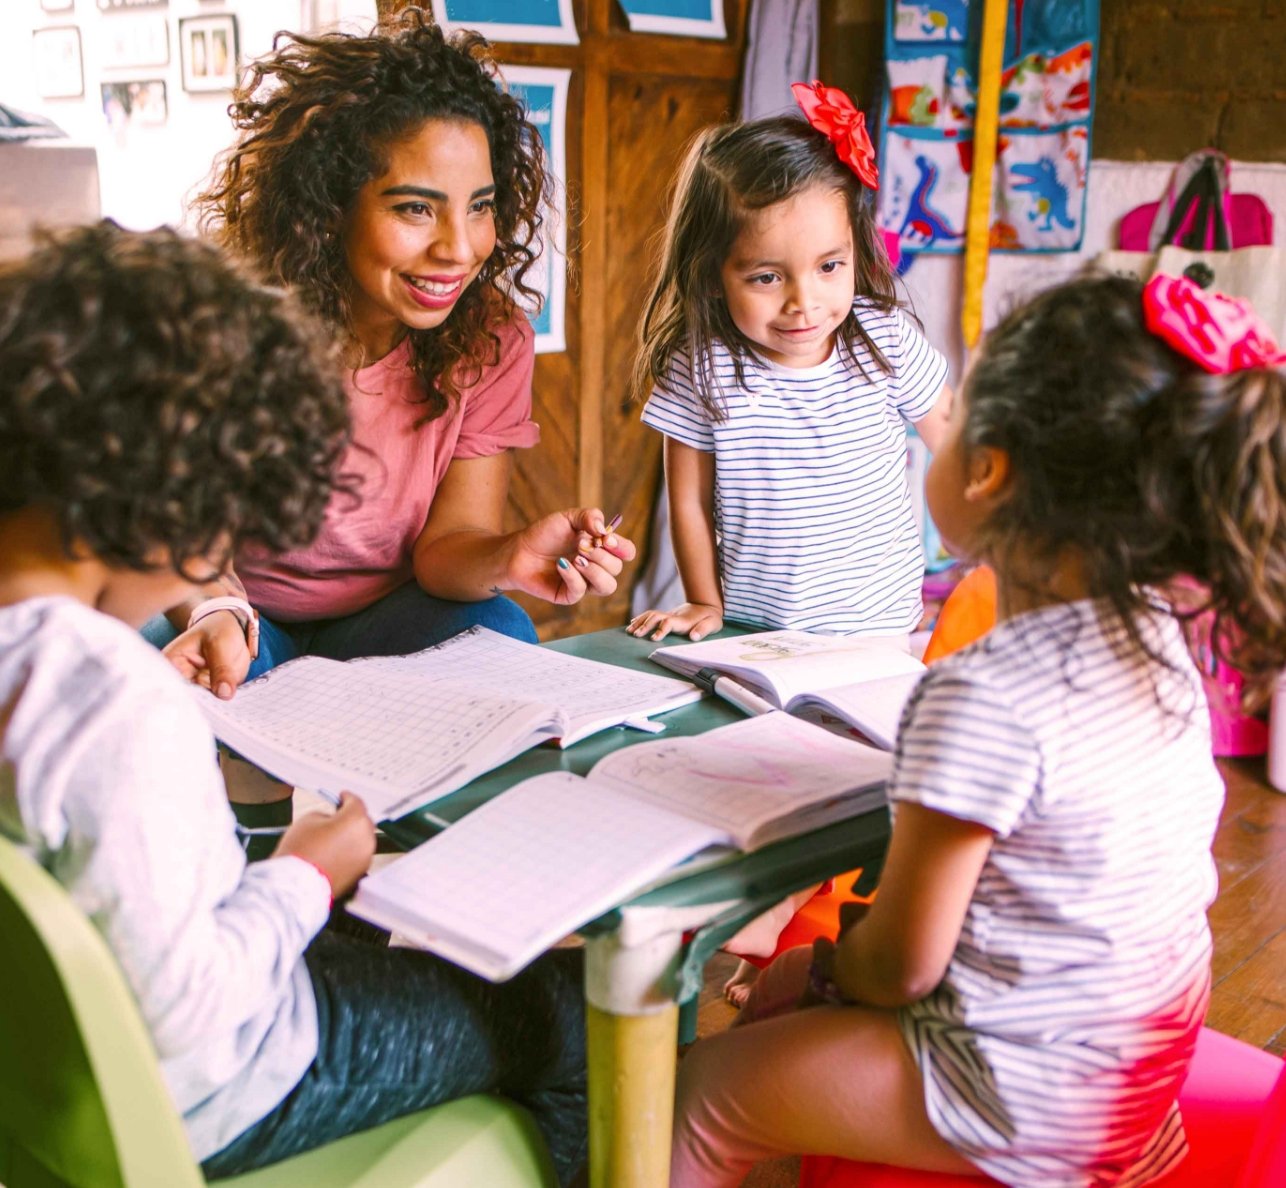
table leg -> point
(633, 1024)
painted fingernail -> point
(614, 523)
(582, 562)
(610, 542)
(562, 563)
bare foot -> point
(737, 988)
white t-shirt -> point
(1055, 1046)
(812, 507)
(108, 778)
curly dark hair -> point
(316, 118)
(1147, 466)
(152, 395)
(730, 171)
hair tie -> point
(1219, 333)
(832, 113)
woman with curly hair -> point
(159, 411)
(395, 188)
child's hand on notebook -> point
(698, 619)
(340, 846)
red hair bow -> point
(832, 113)
(1221, 334)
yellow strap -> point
(985, 129)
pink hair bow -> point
(1221, 334)
(832, 113)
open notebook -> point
(401, 731)
(536, 862)
(861, 682)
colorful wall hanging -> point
(1043, 148)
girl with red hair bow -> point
(782, 372)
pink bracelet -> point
(321, 872)
(245, 613)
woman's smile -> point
(419, 234)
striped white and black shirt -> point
(1055, 1046)
(812, 507)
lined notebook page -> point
(741, 777)
(396, 740)
(587, 691)
(531, 865)
(874, 707)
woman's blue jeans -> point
(405, 621)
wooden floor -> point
(1248, 921)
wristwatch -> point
(245, 613)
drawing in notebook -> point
(401, 731)
(859, 683)
(535, 863)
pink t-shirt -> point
(363, 552)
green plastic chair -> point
(83, 1104)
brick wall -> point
(1177, 76)
(1172, 77)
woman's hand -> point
(340, 846)
(212, 653)
(698, 619)
(563, 556)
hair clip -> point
(832, 113)
(1220, 334)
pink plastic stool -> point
(1234, 1112)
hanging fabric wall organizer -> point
(1043, 150)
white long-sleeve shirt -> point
(108, 778)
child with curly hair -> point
(159, 413)
(1024, 995)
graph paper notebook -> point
(827, 679)
(401, 731)
(536, 862)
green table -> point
(647, 956)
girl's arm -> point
(900, 950)
(933, 425)
(461, 552)
(689, 486)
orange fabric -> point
(818, 917)
(968, 614)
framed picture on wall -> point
(134, 41)
(208, 52)
(134, 104)
(57, 5)
(60, 72)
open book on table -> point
(536, 862)
(861, 682)
(401, 731)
